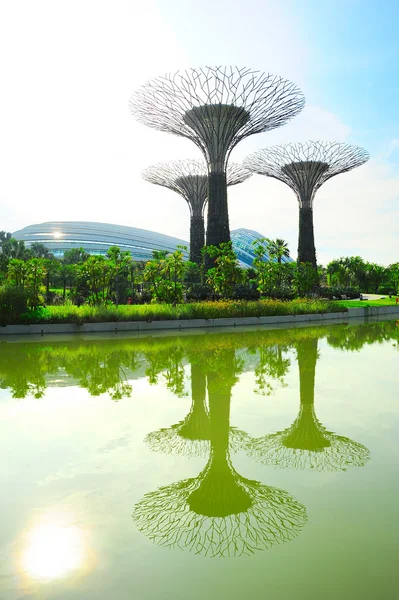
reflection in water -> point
(54, 549)
(191, 436)
(219, 513)
(307, 444)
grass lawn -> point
(363, 303)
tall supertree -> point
(304, 167)
(189, 178)
(216, 107)
(219, 513)
(306, 444)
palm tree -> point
(277, 249)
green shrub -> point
(13, 303)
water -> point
(251, 464)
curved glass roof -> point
(242, 242)
(97, 238)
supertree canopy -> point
(306, 444)
(304, 167)
(189, 178)
(219, 513)
(216, 107)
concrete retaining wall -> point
(144, 326)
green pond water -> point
(213, 465)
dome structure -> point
(97, 238)
(243, 240)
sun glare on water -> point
(53, 550)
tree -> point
(165, 272)
(226, 273)
(75, 255)
(39, 250)
(277, 249)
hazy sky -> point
(70, 149)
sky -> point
(71, 150)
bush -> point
(386, 290)
(284, 294)
(38, 315)
(199, 291)
(13, 303)
(246, 291)
(337, 291)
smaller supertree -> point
(307, 444)
(304, 167)
(189, 178)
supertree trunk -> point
(307, 358)
(220, 493)
(197, 238)
(218, 229)
(306, 245)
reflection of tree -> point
(101, 369)
(272, 366)
(168, 362)
(23, 373)
(28, 369)
(353, 338)
(219, 513)
(307, 444)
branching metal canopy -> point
(304, 167)
(216, 107)
(189, 178)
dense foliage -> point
(35, 286)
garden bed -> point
(165, 312)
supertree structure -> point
(306, 444)
(216, 107)
(189, 178)
(304, 167)
(219, 513)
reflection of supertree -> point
(216, 108)
(304, 167)
(189, 178)
(189, 437)
(219, 513)
(307, 444)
